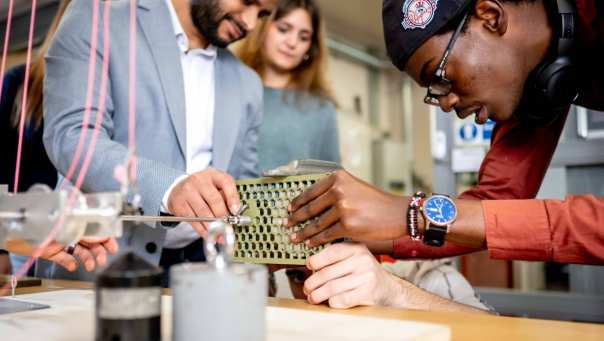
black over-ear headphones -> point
(553, 85)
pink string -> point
(102, 98)
(24, 96)
(132, 93)
(9, 20)
(89, 93)
(27, 264)
(73, 194)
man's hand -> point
(209, 193)
(347, 207)
(91, 252)
(348, 275)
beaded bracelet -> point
(412, 215)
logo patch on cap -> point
(418, 13)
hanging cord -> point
(102, 98)
(89, 94)
(32, 22)
(132, 94)
(9, 20)
(74, 192)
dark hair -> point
(309, 76)
(34, 112)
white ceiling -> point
(356, 21)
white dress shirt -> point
(198, 73)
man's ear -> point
(493, 16)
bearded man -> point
(197, 111)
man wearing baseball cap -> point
(519, 63)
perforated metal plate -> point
(266, 240)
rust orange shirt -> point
(569, 231)
(566, 231)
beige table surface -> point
(463, 326)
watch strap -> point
(435, 235)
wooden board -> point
(23, 282)
(71, 317)
(299, 325)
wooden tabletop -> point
(463, 326)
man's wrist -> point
(469, 229)
(409, 296)
(380, 247)
(165, 199)
(395, 295)
(401, 204)
(421, 224)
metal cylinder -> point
(128, 301)
(218, 300)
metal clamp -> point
(239, 219)
(31, 216)
(220, 259)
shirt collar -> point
(181, 37)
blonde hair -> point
(309, 76)
(35, 91)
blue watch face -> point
(440, 209)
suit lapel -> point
(154, 20)
(227, 112)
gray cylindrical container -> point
(217, 300)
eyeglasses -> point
(440, 85)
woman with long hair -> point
(288, 51)
(35, 168)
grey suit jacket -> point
(160, 107)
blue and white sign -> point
(471, 144)
(468, 133)
(487, 130)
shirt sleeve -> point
(565, 231)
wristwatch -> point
(439, 213)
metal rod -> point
(94, 214)
(12, 215)
(168, 219)
(142, 218)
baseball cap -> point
(409, 23)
